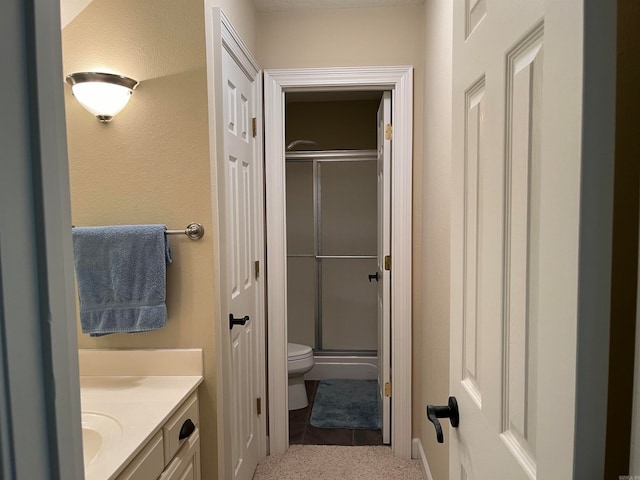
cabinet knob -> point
(187, 429)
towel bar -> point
(194, 231)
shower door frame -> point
(398, 80)
(316, 158)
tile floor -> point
(301, 432)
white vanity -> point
(140, 417)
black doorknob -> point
(374, 277)
(449, 411)
(237, 321)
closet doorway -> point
(325, 167)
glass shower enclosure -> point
(331, 251)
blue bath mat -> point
(351, 404)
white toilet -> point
(300, 361)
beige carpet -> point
(311, 462)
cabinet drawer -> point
(149, 463)
(186, 464)
(187, 413)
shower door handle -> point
(375, 277)
(237, 321)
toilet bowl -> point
(300, 361)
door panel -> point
(506, 248)
(384, 249)
(241, 252)
(474, 108)
(520, 324)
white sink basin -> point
(99, 431)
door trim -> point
(398, 79)
(220, 34)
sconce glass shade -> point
(102, 94)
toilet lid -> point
(295, 351)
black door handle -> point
(237, 321)
(447, 411)
(375, 277)
(187, 429)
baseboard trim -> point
(417, 452)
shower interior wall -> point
(347, 300)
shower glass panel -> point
(302, 266)
(331, 249)
(348, 206)
(300, 208)
(302, 273)
(349, 307)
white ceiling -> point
(268, 5)
(69, 9)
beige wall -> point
(151, 163)
(340, 125)
(431, 335)
(342, 37)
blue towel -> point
(121, 273)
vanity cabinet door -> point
(186, 464)
(148, 463)
(180, 427)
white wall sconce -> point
(103, 94)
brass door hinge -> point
(388, 131)
(254, 126)
(387, 262)
(387, 389)
(257, 267)
(259, 405)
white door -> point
(241, 188)
(517, 71)
(384, 275)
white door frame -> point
(398, 79)
(220, 34)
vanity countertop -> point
(140, 403)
